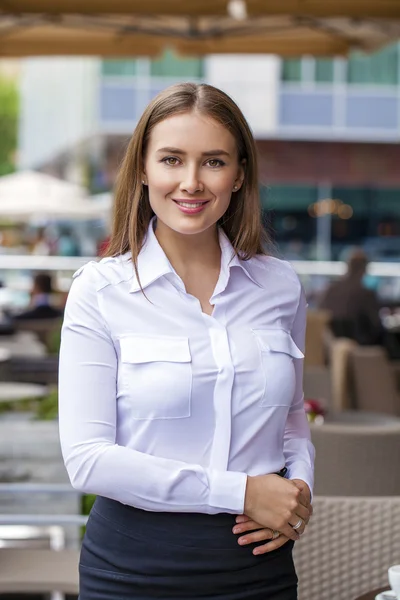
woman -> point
(181, 373)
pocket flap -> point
(143, 349)
(277, 340)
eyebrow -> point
(217, 152)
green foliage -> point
(23, 405)
(53, 341)
(87, 503)
(9, 108)
(43, 409)
(47, 407)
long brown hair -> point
(132, 211)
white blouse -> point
(166, 408)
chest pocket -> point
(277, 351)
(156, 373)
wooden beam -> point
(116, 7)
(57, 41)
(288, 46)
(389, 9)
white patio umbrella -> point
(29, 195)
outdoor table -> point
(360, 417)
(23, 343)
(5, 356)
(11, 391)
(372, 595)
(395, 367)
(33, 571)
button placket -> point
(222, 398)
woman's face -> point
(191, 168)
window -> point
(124, 67)
(324, 72)
(286, 217)
(359, 199)
(289, 197)
(387, 202)
(170, 65)
(378, 68)
(381, 68)
(291, 69)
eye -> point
(215, 162)
(170, 161)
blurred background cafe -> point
(319, 83)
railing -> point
(40, 519)
(10, 262)
(49, 525)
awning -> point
(195, 27)
(28, 195)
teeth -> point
(191, 204)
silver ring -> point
(298, 524)
(275, 534)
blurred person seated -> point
(41, 246)
(67, 243)
(41, 307)
(354, 307)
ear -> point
(240, 176)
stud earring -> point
(235, 187)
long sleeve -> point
(298, 449)
(88, 423)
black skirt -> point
(132, 554)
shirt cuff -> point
(301, 470)
(227, 491)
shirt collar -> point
(153, 263)
(229, 260)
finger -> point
(274, 545)
(247, 526)
(303, 487)
(303, 497)
(242, 518)
(310, 513)
(256, 536)
(304, 501)
(300, 513)
(300, 530)
(289, 532)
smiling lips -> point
(191, 206)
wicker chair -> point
(38, 571)
(340, 350)
(357, 460)
(317, 323)
(348, 546)
(45, 329)
(374, 380)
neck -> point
(186, 252)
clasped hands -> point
(273, 505)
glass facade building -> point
(326, 129)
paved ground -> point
(30, 452)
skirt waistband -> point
(181, 528)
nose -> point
(191, 183)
